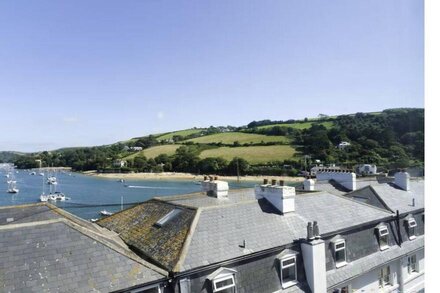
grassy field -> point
(242, 138)
(252, 154)
(300, 125)
(184, 133)
(153, 152)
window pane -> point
(411, 231)
(340, 255)
(340, 245)
(289, 274)
(223, 283)
(383, 240)
(288, 261)
(151, 290)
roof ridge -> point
(30, 224)
(359, 202)
(187, 242)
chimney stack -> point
(281, 182)
(345, 178)
(281, 197)
(309, 185)
(274, 182)
(401, 179)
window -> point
(412, 264)
(339, 250)
(411, 228)
(288, 271)
(344, 289)
(384, 277)
(383, 235)
(225, 284)
(168, 217)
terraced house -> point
(335, 234)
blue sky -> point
(80, 73)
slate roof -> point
(393, 197)
(160, 245)
(43, 251)
(372, 261)
(222, 227)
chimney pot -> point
(215, 178)
(265, 181)
(205, 178)
(281, 182)
(274, 182)
(310, 235)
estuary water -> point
(89, 195)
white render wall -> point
(414, 282)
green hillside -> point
(182, 133)
(240, 137)
(252, 154)
(155, 151)
(300, 125)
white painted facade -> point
(400, 279)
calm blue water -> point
(89, 195)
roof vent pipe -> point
(413, 202)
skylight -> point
(171, 215)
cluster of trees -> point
(394, 139)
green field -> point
(183, 133)
(242, 138)
(300, 125)
(153, 152)
(252, 154)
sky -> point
(83, 73)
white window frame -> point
(282, 266)
(382, 276)
(336, 249)
(412, 224)
(220, 279)
(411, 264)
(383, 232)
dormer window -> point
(411, 226)
(223, 280)
(288, 271)
(383, 236)
(224, 284)
(339, 253)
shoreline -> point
(184, 176)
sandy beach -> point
(184, 176)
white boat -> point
(44, 197)
(57, 196)
(33, 173)
(12, 184)
(41, 174)
(106, 213)
(94, 220)
(52, 180)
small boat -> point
(41, 174)
(33, 173)
(106, 213)
(94, 220)
(44, 198)
(52, 180)
(121, 180)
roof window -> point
(383, 237)
(411, 226)
(168, 217)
